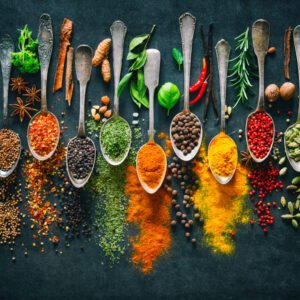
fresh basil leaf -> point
(123, 83)
(168, 96)
(131, 55)
(138, 40)
(140, 61)
(141, 87)
(134, 93)
(177, 57)
(144, 100)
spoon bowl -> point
(6, 48)
(79, 183)
(45, 46)
(296, 37)
(260, 38)
(118, 31)
(187, 24)
(83, 67)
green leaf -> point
(140, 61)
(123, 83)
(137, 41)
(176, 54)
(168, 96)
(141, 87)
(136, 97)
(131, 55)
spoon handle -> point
(6, 49)
(118, 31)
(187, 28)
(260, 38)
(45, 39)
(151, 71)
(83, 67)
(223, 51)
(296, 37)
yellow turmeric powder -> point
(221, 206)
(150, 212)
(223, 155)
(151, 164)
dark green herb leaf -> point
(177, 57)
(168, 96)
(136, 97)
(137, 41)
(132, 55)
(140, 61)
(123, 83)
(141, 87)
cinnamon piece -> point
(69, 76)
(287, 52)
(65, 35)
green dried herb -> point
(242, 72)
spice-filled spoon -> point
(222, 150)
(115, 134)
(260, 127)
(43, 129)
(186, 128)
(10, 142)
(81, 150)
(292, 134)
(151, 161)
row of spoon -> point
(83, 57)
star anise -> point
(32, 95)
(18, 84)
(21, 109)
(246, 158)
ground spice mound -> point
(168, 144)
(223, 155)
(151, 164)
(222, 206)
(150, 213)
(9, 149)
(43, 133)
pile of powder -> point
(151, 214)
(222, 206)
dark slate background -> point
(262, 267)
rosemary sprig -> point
(243, 70)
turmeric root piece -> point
(69, 76)
(105, 70)
(101, 52)
(65, 35)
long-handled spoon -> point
(296, 35)
(187, 27)
(45, 39)
(151, 71)
(260, 37)
(83, 66)
(118, 32)
(6, 48)
(222, 51)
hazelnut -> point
(271, 50)
(108, 113)
(105, 100)
(97, 117)
(103, 109)
(272, 92)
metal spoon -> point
(83, 66)
(45, 39)
(260, 38)
(6, 48)
(222, 51)
(296, 35)
(151, 71)
(118, 31)
(187, 27)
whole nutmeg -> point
(271, 50)
(272, 92)
(287, 91)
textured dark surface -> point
(262, 267)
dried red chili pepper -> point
(201, 93)
(196, 86)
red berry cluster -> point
(264, 180)
(260, 130)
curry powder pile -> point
(222, 206)
(149, 212)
